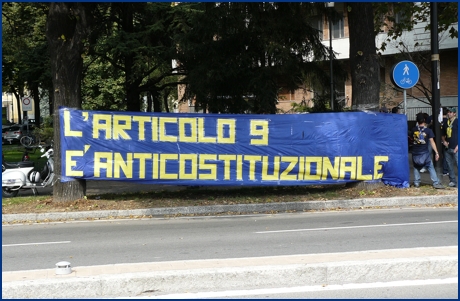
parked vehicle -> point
(4, 130)
(16, 132)
(22, 175)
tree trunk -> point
(364, 63)
(36, 97)
(51, 101)
(66, 29)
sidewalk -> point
(162, 278)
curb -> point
(240, 208)
(361, 267)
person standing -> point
(445, 168)
(450, 141)
(421, 156)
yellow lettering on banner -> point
(141, 120)
(292, 163)
(71, 163)
(182, 135)
(360, 175)
(319, 168)
(163, 160)
(328, 168)
(98, 164)
(193, 158)
(259, 128)
(252, 165)
(221, 123)
(378, 166)
(212, 175)
(201, 133)
(155, 164)
(120, 124)
(98, 126)
(239, 167)
(276, 169)
(301, 173)
(351, 168)
(142, 157)
(67, 131)
(162, 130)
(227, 164)
(126, 166)
(154, 128)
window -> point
(401, 17)
(317, 23)
(338, 28)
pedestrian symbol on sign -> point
(406, 70)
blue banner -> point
(227, 149)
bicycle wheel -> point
(26, 141)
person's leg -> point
(430, 150)
(445, 168)
(433, 175)
(416, 177)
(451, 160)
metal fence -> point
(412, 112)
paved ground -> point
(155, 279)
(163, 278)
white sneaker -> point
(452, 184)
(423, 170)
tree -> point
(66, 29)
(411, 14)
(133, 43)
(364, 62)
(238, 55)
(24, 52)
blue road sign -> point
(405, 74)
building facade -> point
(414, 42)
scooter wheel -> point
(8, 193)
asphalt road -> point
(41, 246)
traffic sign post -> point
(26, 103)
(405, 75)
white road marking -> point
(38, 243)
(355, 227)
(301, 289)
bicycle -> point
(30, 140)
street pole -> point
(330, 5)
(330, 59)
(435, 86)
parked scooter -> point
(21, 175)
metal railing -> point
(412, 112)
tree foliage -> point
(412, 13)
(238, 55)
(131, 43)
(25, 59)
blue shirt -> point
(421, 136)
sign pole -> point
(405, 102)
(435, 87)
